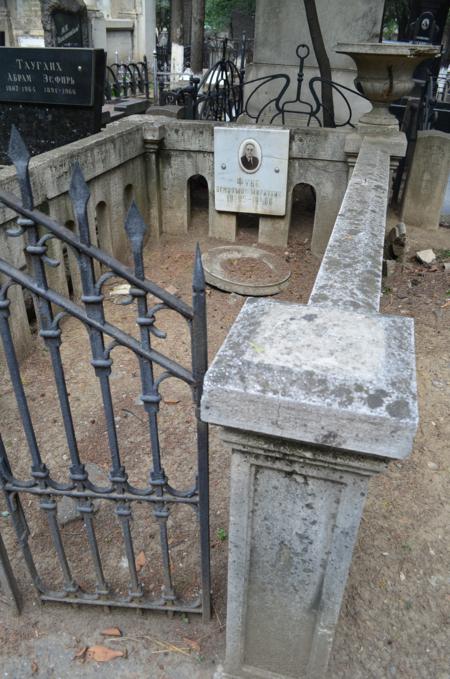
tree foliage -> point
(396, 19)
(218, 12)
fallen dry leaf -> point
(192, 644)
(103, 653)
(141, 560)
(112, 632)
(81, 653)
(34, 667)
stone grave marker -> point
(52, 95)
(65, 23)
(250, 170)
(68, 29)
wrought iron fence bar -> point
(135, 228)
(161, 513)
(177, 607)
(49, 507)
(22, 531)
(74, 310)
(8, 583)
(36, 249)
(64, 234)
(39, 469)
(199, 368)
(86, 509)
(118, 475)
(12, 487)
(123, 511)
(93, 303)
(52, 340)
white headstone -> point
(176, 62)
(250, 170)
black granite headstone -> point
(68, 29)
(53, 96)
(65, 23)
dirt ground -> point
(395, 619)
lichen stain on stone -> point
(329, 438)
(399, 409)
(376, 399)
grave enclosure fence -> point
(127, 78)
(224, 94)
(156, 494)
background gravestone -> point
(53, 96)
(65, 23)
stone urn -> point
(385, 73)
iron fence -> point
(224, 94)
(127, 78)
(155, 490)
(215, 51)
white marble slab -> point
(250, 170)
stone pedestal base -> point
(274, 230)
(427, 180)
(294, 517)
(222, 225)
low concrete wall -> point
(313, 400)
(151, 159)
(316, 157)
(111, 161)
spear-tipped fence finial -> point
(136, 228)
(20, 156)
(198, 280)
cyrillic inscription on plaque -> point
(250, 170)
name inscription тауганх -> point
(47, 76)
(250, 170)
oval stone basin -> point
(245, 270)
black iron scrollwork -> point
(225, 95)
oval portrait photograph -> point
(250, 155)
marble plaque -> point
(250, 170)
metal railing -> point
(215, 52)
(223, 94)
(154, 488)
(127, 79)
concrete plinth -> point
(295, 513)
(222, 225)
(427, 181)
(274, 230)
(310, 415)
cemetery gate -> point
(154, 493)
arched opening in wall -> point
(102, 227)
(247, 226)
(198, 203)
(128, 197)
(302, 213)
